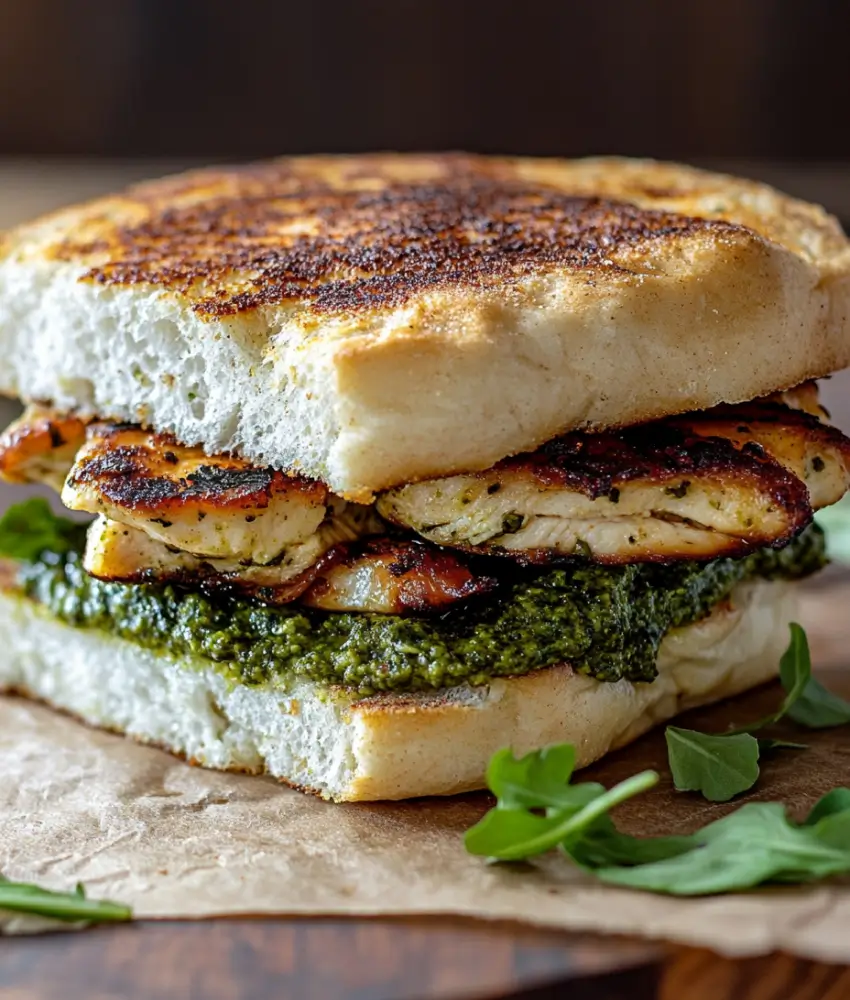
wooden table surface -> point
(389, 960)
(395, 959)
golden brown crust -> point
(347, 234)
(813, 451)
(151, 473)
(656, 453)
(40, 446)
(358, 250)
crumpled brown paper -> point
(138, 826)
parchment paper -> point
(143, 828)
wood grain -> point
(326, 959)
(389, 960)
(695, 974)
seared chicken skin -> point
(383, 576)
(698, 486)
(391, 576)
(216, 508)
(39, 447)
(120, 553)
(798, 439)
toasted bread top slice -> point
(374, 320)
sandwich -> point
(391, 461)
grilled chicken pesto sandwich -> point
(396, 460)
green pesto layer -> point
(607, 621)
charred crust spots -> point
(662, 452)
(770, 414)
(126, 480)
(212, 480)
(596, 464)
(37, 434)
(56, 438)
(272, 233)
(137, 470)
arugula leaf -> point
(767, 745)
(756, 844)
(819, 708)
(27, 529)
(603, 844)
(539, 781)
(506, 834)
(536, 780)
(22, 897)
(836, 801)
(718, 766)
(795, 672)
(807, 701)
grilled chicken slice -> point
(39, 447)
(384, 576)
(655, 492)
(124, 554)
(394, 577)
(798, 439)
(215, 508)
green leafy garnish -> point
(813, 706)
(27, 529)
(21, 897)
(538, 809)
(795, 672)
(753, 845)
(718, 766)
(604, 845)
(726, 764)
(834, 803)
(768, 745)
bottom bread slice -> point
(389, 746)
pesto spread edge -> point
(606, 621)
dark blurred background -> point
(224, 78)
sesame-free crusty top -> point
(377, 319)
